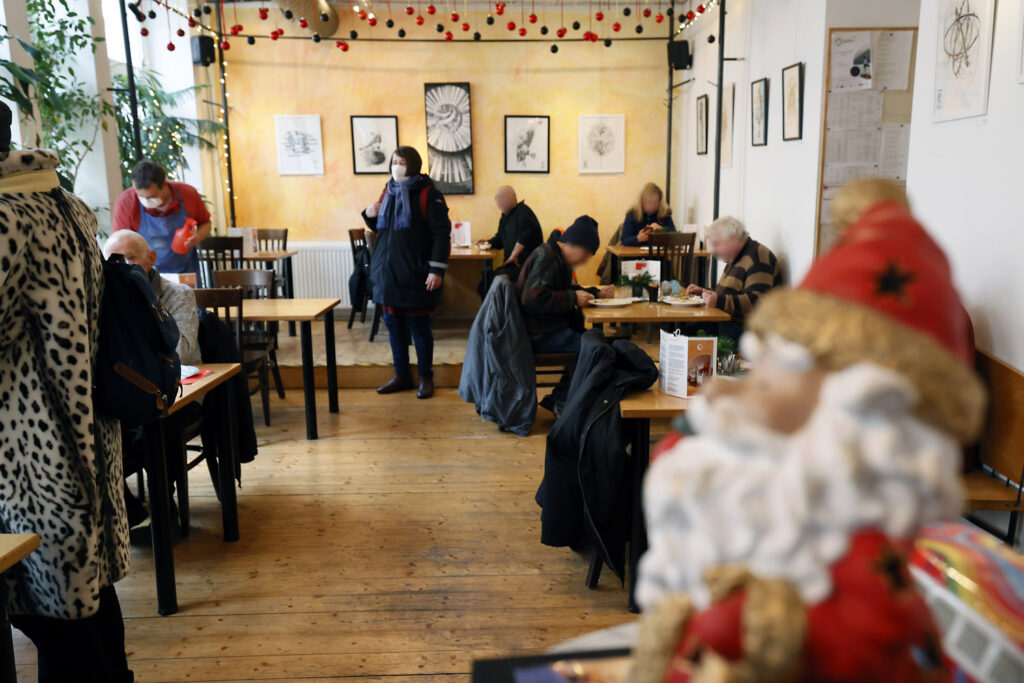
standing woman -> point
(408, 264)
(649, 214)
(60, 463)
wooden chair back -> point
(218, 253)
(357, 236)
(272, 239)
(226, 304)
(255, 284)
(675, 251)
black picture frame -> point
(361, 148)
(521, 165)
(449, 119)
(702, 125)
(793, 111)
(759, 135)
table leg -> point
(289, 289)
(308, 382)
(332, 362)
(8, 670)
(638, 534)
(227, 454)
(160, 521)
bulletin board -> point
(869, 91)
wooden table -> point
(271, 257)
(156, 466)
(620, 251)
(13, 549)
(304, 312)
(646, 312)
(478, 254)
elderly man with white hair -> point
(751, 270)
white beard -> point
(784, 506)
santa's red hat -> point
(885, 295)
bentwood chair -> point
(218, 253)
(256, 284)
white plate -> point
(675, 301)
(611, 303)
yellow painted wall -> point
(303, 77)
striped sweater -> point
(753, 272)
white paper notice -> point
(841, 174)
(853, 146)
(890, 59)
(851, 60)
(461, 234)
(895, 150)
(861, 109)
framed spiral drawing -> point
(449, 137)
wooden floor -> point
(399, 547)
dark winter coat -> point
(359, 280)
(585, 493)
(498, 374)
(402, 259)
(547, 293)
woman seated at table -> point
(649, 214)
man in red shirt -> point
(156, 208)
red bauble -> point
(511, 26)
(372, 21)
(690, 15)
(561, 32)
(616, 26)
(533, 18)
(659, 17)
(170, 47)
(144, 31)
(240, 28)
(599, 16)
(344, 47)
(362, 16)
(181, 32)
(409, 10)
(264, 13)
(465, 26)
(700, 9)
(337, 43)
(192, 22)
(225, 45)
(647, 11)
(419, 20)
(522, 31)
(274, 35)
(280, 31)
(448, 35)
(431, 9)
(455, 16)
(499, 8)
(303, 23)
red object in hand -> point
(181, 235)
(522, 31)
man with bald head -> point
(178, 299)
(519, 232)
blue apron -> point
(159, 232)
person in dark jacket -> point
(408, 265)
(650, 214)
(585, 494)
(519, 232)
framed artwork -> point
(963, 56)
(527, 144)
(793, 102)
(759, 113)
(449, 137)
(374, 139)
(300, 144)
(602, 143)
(702, 124)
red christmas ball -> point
(181, 32)
(225, 45)
(344, 47)
(362, 16)
(561, 32)
(499, 8)
(144, 31)
(455, 16)
(616, 26)
(273, 35)
(240, 28)
(511, 26)
(522, 31)
(170, 47)
(465, 26)
(264, 13)
(431, 9)
(372, 21)
(419, 20)
(700, 9)
(533, 18)
(409, 10)
(659, 17)
(304, 24)
(192, 22)
(448, 35)
(599, 16)
(690, 15)
(647, 11)
(280, 31)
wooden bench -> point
(997, 485)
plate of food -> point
(684, 300)
(611, 303)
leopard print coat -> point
(60, 463)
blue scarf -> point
(395, 209)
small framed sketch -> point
(300, 144)
(527, 144)
(374, 138)
(793, 102)
(759, 113)
(702, 124)
(602, 143)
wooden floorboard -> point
(399, 547)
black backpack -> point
(138, 372)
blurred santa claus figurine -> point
(779, 531)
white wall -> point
(872, 13)
(965, 179)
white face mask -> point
(151, 202)
(398, 172)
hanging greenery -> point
(65, 114)
(164, 136)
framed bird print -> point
(374, 139)
(793, 102)
(759, 113)
(702, 124)
(527, 144)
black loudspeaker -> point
(204, 52)
(679, 56)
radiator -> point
(321, 270)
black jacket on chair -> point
(359, 281)
(586, 491)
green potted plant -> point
(639, 283)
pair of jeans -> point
(89, 650)
(562, 341)
(400, 327)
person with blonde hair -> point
(649, 214)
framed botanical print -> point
(374, 139)
(793, 102)
(527, 144)
(759, 113)
(702, 124)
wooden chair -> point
(226, 304)
(999, 483)
(218, 253)
(256, 284)
(675, 251)
(272, 239)
(553, 366)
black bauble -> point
(288, 14)
(206, 9)
(353, 34)
(440, 28)
(477, 36)
(575, 26)
(607, 42)
(390, 23)
(316, 37)
(251, 40)
(325, 17)
(554, 49)
(490, 20)
(639, 28)
(151, 14)
(543, 30)
(626, 11)
(401, 33)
